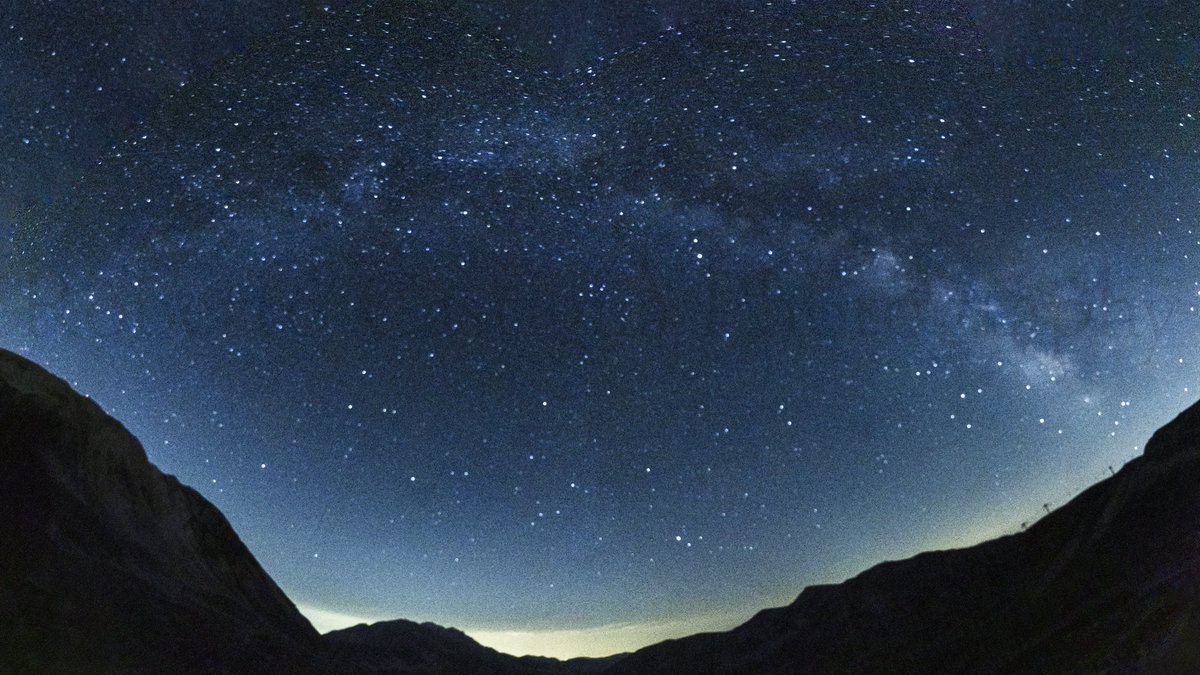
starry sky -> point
(582, 325)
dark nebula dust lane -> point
(581, 327)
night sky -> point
(580, 325)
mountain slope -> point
(1109, 583)
(110, 566)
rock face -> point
(107, 565)
(1109, 583)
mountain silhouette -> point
(109, 566)
(1109, 583)
(408, 647)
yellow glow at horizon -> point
(325, 620)
(605, 640)
(595, 641)
(600, 640)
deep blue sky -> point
(583, 324)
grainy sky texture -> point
(578, 325)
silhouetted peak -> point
(111, 566)
(1178, 435)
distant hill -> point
(409, 647)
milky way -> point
(607, 323)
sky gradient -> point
(579, 327)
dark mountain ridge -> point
(407, 646)
(110, 566)
(1109, 583)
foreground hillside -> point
(110, 566)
